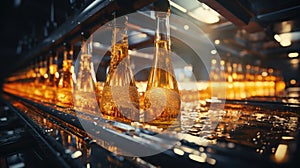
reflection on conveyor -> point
(251, 134)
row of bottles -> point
(119, 99)
(237, 81)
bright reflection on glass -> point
(213, 51)
(186, 27)
(217, 41)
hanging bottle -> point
(162, 99)
(120, 100)
(66, 80)
(85, 91)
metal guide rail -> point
(66, 137)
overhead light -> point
(293, 55)
(277, 37)
(205, 14)
(284, 39)
(285, 43)
(175, 5)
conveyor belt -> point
(111, 135)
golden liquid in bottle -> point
(120, 100)
(50, 92)
(120, 103)
(43, 71)
(162, 99)
(65, 85)
(85, 91)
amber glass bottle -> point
(162, 99)
(120, 99)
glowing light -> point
(56, 75)
(213, 51)
(178, 151)
(264, 74)
(281, 152)
(294, 61)
(293, 55)
(205, 14)
(287, 137)
(277, 37)
(284, 39)
(142, 35)
(175, 5)
(211, 161)
(293, 81)
(222, 62)
(213, 61)
(217, 41)
(270, 70)
(76, 154)
(186, 27)
(197, 158)
(285, 43)
(45, 76)
(188, 68)
(96, 44)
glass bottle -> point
(162, 99)
(214, 76)
(240, 80)
(222, 81)
(66, 80)
(120, 99)
(85, 91)
(229, 81)
(50, 93)
(249, 84)
(38, 80)
(271, 80)
(258, 81)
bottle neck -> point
(119, 48)
(86, 46)
(162, 35)
(119, 27)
